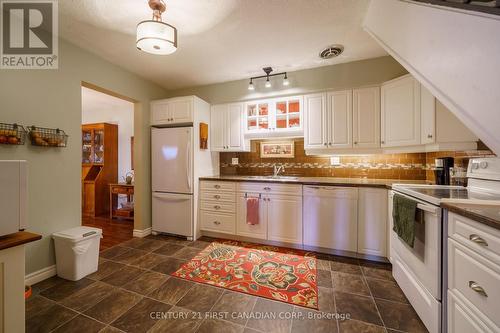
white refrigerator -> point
(172, 180)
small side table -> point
(114, 191)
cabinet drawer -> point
(479, 237)
(218, 196)
(270, 188)
(463, 319)
(215, 206)
(217, 186)
(476, 278)
(225, 223)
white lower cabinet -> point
(284, 216)
(242, 227)
(372, 221)
(473, 276)
(330, 217)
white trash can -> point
(77, 252)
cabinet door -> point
(160, 114)
(181, 111)
(287, 114)
(218, 130)
(258, 118)
(340, 119)
(427, 116)
(400, 102)
(330, 217)
(315, 135)
(284, 216)
(372, 221)
(233, 127)
(242, 228)
(366, 117)
(462, 319)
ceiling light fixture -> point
(155, 36)
(268, 74)
(251, 86)
(285, 81)
(268, 83)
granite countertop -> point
(360, 182)
(485, 214)
(18, 238)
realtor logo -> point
(29, 38)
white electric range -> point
(419, 270)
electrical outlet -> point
(335, 160)
(234, 161)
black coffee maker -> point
(442, 171)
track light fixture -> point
(268, 74)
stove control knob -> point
(483, 164)
(475, 165)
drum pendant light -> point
(155, 36)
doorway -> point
(107, 165)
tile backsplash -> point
(416, 166)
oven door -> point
(423, 261)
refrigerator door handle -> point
(168, 197)
(188, 160)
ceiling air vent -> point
(331, 51)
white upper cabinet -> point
(400, 112)
(342, 120)
(366, 117)
(226, 128)
(178, 110)
(315, 133)
(339, 119)
(274, 117)
(427, 116)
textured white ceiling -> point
(221, 40)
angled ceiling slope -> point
(453, 53)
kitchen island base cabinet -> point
(330, 217)
(372, 221)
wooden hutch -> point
(99, 167)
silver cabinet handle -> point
(382, 142)
(217, 186)
(216, 222)
(217, 207)
(429, 136)
(329, 143)
(326, 144)
(217, 196)
(477, 288)
(355, 142)
(478, 240)
(267, 188)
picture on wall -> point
(282, 149)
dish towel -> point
(252, 211)
(404, 212)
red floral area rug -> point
(277, 273)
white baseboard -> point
(40, 275)
(142, 233)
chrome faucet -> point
(278, 169)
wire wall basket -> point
(48, 137)
(12, 134)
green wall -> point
(52, 98)
(335, 77)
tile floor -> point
(133, 284)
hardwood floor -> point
(113, 231)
